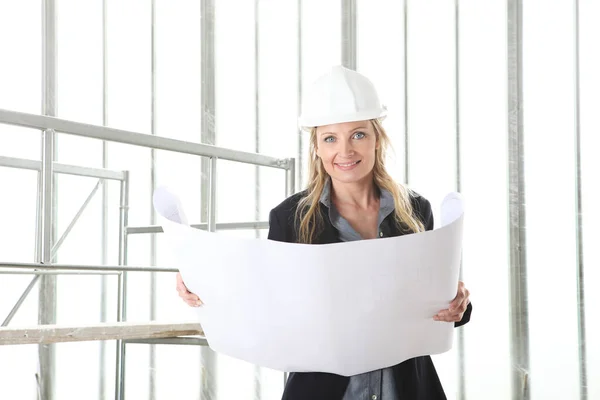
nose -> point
(346, 149)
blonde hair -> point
(308, 215)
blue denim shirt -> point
(379, 384)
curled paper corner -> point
(452, 208)
(168, 205)
(161, 192)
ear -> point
(377, 136)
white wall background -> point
(549, 123)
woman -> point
(350, 196)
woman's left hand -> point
(457, 307)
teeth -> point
(347, 165)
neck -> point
(361, 195)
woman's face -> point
(347, 150)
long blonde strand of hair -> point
(308, 215)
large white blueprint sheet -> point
(344, 308)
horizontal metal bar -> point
(89, 172)
(20, 163)
(131, 230)
(20, 272)
(45, 334)
(138, 139)
(193, 341)
(34, 165)
(47, 267)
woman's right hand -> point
(190, 298)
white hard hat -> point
(341, 95)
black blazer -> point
(416, 379)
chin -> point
(350, 177)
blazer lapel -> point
(328, 234)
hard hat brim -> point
(309, 123)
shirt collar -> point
(386, 200)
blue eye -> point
(359, 135)
(329, 139)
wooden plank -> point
(44, 334)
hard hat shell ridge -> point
(341, 95)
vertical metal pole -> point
(120, 346)
(257, 109)
(212, 198)
(290, 177)
(460, 335)
(47, 287)
(301, 133)
(207, 135)
(519, 315)
(257, 369)
(406, 135)
(581, 335)
(153, 113)
(122, 286)
(207, 72)
(349, 34)
(104, 229)
(289, 186)
(290, 189)
(47, 290)
(457, 93)
(39, 216)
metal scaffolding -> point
(48, 242)
(46, 268)
(517, 235)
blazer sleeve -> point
(277, 231)
(427, 218)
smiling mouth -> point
(348, 164)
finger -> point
(458, 300)
(455, 303)
(189, 297)
(462, 298)
(180, 285)
(457, 307)
(193, 301)
(442, 315)
(460, 309)
(459, 316)
(447, 312)
(466, 301)
(196, 303)
(444, 318)
(182, 289)
(178, 282)
(464, 305)
(449, 317)
(456, 318)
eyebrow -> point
(352, 130)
